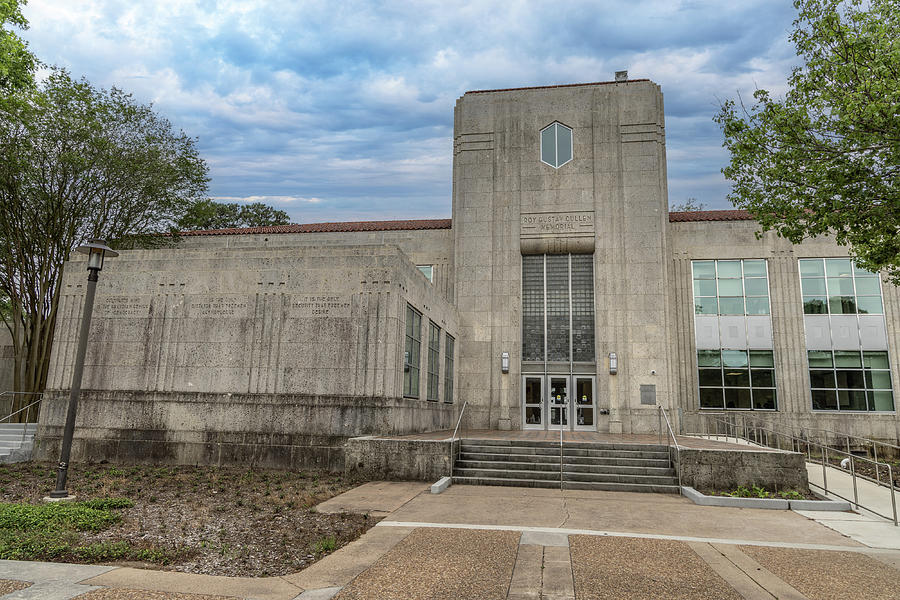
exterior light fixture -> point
(504, 362)
(613, 363)
(96, 250)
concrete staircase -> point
(13, 446)
(586, 465)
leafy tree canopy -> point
(79, 162)
(207, 214)
(825, 159)
(17, 64)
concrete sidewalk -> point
(873, 527)
(516, 543)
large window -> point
(434, 355)
(449, 342)
(558, 308)
(837, 286)
(556, 145)
(850, 380)
(413, 351)
(739, 379)
(731, 287)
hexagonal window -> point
(556, 145)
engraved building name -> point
(566, 223)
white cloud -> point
(296, 101)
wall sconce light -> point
(613, 363)
(504, 362)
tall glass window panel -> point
(412, 352)
(850, 380)
(449, 343)
(557, 269)
(533, 308)
(434, 365)
(582, 307)
(837, 286)
(736, 379)
(558, 308)
(731, 287)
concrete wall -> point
(615, 187)
(418, 460)
(724, 470)
(243, 354)
(422, 246)
(737, 239)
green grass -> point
(325, 545)
(53, 531)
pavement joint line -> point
(631, 534)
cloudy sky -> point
(337, 110)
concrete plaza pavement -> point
(523, 544)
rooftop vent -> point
(621, 75)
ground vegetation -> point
(219, 521)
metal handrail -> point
(824, 449)
(665, 416)
(453, 439)
(27, 407)
(733, 425)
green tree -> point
(258, 214)
(221, 215)
(17, 64)
(825, 159)
(79, 162)
(689, 205)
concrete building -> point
(562, 294)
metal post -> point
(561, 447)
(893, 498)
(25, 424)
(75, 392)
(877, 470)
(848, 444)
(824, 475)
(659, 426)
(853, 475)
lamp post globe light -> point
(96, 250)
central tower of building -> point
(560, 213)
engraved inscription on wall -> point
(319, 306)
(545, 224)
(124, 307)
(217, 306)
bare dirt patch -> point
(210, 520)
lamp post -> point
(96, 250)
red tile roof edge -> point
(421, 224)
(406, 225)
(709, 215)
(548, 87)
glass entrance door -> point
(585, 404)
(533, 402)
(558, 400)
(554, 401)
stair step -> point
(569, 467)
(554, 459)
(567, 444)
(567, 451)
(610, 487)
(567, 476)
